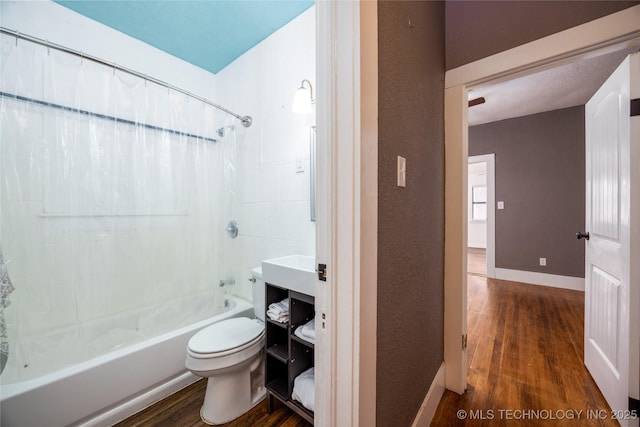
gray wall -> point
(476, 29)
(410, 328)
(540, 176)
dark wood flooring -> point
(182, 409)
(525, 354)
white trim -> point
(325, 360)
(634, 307)
(542, 279)
(612, 32)
(455, 238)
(490, 160)
(368, 310)
(431, 400)
(339, 219)
(136, 404)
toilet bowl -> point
(230, 354)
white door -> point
(607, 272)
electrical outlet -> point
(543, 262)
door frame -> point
(610, 33)
(489, 159)
(346, 144)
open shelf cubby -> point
(287, 354)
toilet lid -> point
(225, 335)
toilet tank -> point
(258, 291)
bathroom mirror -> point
(312, 172)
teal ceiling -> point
(207, 33)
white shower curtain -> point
(114, 198)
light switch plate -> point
(402, 171)
(500, 205)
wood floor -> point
(477, 261)
(182, 409)
(525, 354)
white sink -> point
(295, 272)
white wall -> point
(272, 200)
(477, 230)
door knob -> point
(583, 235)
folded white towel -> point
(298, 332)
(309, 329)
(281, 307)
(304, 389)
(278, 317)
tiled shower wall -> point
(271, 201)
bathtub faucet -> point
(227, 282)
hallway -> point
(525, 353)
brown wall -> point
(476, 29)
(410, 220)
(540, 176)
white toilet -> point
(231, 354)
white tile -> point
(248, 186)
(291, 221)
(270, 181)
(253, 219)
(296, 187)
(253, 251)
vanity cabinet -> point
(287, 355)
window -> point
(479, 203)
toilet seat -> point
(225, 337)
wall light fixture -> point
(303, 99)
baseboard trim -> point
(431, 401)
(136, 404)
(542, 279)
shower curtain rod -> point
(245, 120)
(103, 116)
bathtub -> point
(108, 388)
